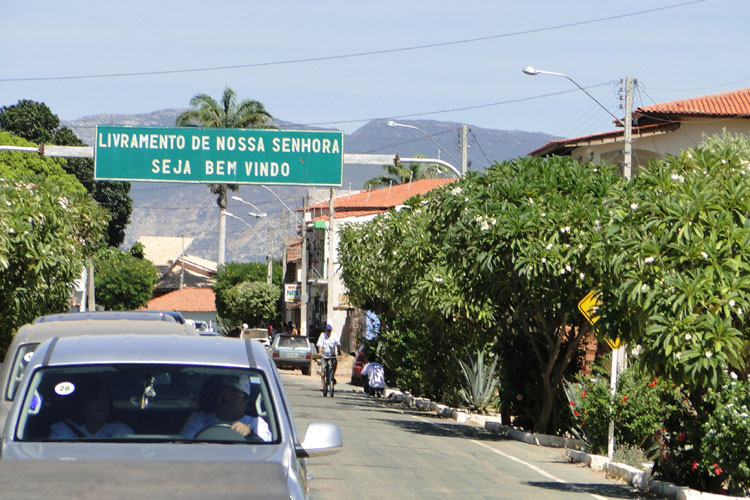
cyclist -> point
(328, 348)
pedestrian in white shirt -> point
(375, 374)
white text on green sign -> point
(219, 156)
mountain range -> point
(190, 210)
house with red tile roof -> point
(661, 129)
(328, 300)
(198, 304)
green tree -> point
(35, 122)
(401, 173)
(679, 281)
(32, 120)
(122, 281)
(207, 112)
(251, 302)
(49, 227)
(511, 251)
(112, 195)
(234, 273)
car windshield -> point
(153, 403)
(293, 342)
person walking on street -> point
(328, 348)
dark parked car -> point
(292, 351)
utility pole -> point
(329, 268)
(92, 299)
(464, 150)
(303, 287)
(627, 161)
(269, 259)
(283, 269)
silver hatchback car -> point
(29, 336)
(164, 399)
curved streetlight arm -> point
(282, 202)
(531, 71)
(431, 160)
(229, 214)
(391, 123)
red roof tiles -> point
(380, 200)
(187, 299)
(734, 103)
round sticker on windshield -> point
(65, 388)
(27, 357)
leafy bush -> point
(480, 384)
(726, 442)
(123, 282)
(706, 448)
(639, 408)
(251, 302)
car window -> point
(20, 361)
(151, 403)
(293, 342)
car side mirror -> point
(321, 438)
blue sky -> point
(692, 49)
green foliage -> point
(49, 227)
(123, 281)
(641, 406)
(509, 251)
(35, 122)
(232, 274)
(114, 196)
(251, 302)
(726, 436)
(679, 278)
(31, 120)
(479, 392)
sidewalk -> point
(574, 448)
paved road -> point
(391, 452)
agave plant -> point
(480, 389)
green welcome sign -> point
(219, 156)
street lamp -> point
(229, 214)
(259, 214)
(282, 202)
(391, 123)
(628, 125)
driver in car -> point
(232, 399)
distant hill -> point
(166, 209)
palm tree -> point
(207, 112)
(402, 173)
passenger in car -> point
(232, 400)
(90, 420)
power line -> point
(353, 54)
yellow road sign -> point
(589, 306)
(613, 344)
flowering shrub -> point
(639, 408)
(705, 446)
(725, 448)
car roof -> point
(111, 315)
(156, 349)
(37, 332)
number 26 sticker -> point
(65, 388)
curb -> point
(574, 448)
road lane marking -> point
(516, 459)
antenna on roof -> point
(411, 176)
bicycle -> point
(328, 380)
